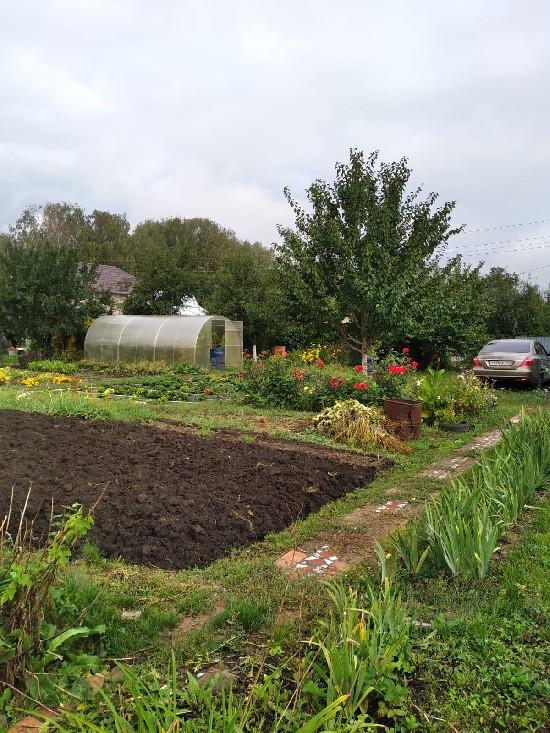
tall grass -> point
(365, 649)
(461, 528)
(347, 684)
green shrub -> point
(471, 398)
(452, 398)
(431, 393)
(53, 365)
(271, 383)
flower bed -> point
(277, 382)
(27, 378)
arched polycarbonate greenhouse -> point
(202, 340)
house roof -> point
(113, 280)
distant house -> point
(117, 282)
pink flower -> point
(320, 363)
(414, 365)
(406, 350)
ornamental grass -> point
(461, 528)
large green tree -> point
(46, 293)
(100, 237)
(179, 259)
(247, 288)
(352, 261)
(176, 259)
(448, 313)
(518, 308)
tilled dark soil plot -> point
(172, 500)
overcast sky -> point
(180, 108)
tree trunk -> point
(363, 329)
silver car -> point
(520, 360)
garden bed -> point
(172, 500)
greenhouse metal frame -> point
(201, 340)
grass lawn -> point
(483, 665)
(479, 667)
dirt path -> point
(335, 551)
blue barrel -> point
(217, 358)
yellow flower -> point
(59, 378)
(4, 379)
(29, 382)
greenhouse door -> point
(217, 350)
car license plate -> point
(500, 363)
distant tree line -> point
(363, 263)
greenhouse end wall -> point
(171, 339)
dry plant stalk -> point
(358, 425)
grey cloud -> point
(208, 108)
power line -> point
(478, 252)
(499, 241)
(506, 226)
(533, 269)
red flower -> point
(360, 385)
(320, 363)
(395, 369)
(207, 391)
(414, 365)
(359, 368)
(298, 375)
(406, 350)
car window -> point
(508, 347)
(540, 350)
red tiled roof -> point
(113, 280)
